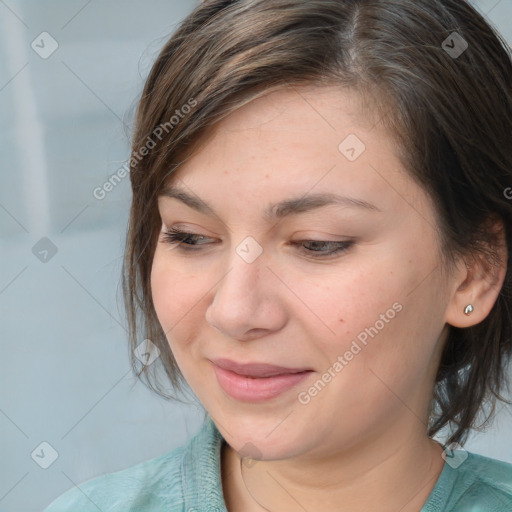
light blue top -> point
(188, 479)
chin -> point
(262, 437)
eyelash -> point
(177, 237)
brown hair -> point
(451, 116)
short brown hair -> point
(451, 116)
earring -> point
(468, 309)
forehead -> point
(317, 107)
(294, 124)
(297, 141)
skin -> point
(361, 443)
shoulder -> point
(153, 485)
(140, 487)
(491, 474)
(480, 484)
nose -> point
(246, 301)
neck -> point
(393, 472)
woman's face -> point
(367, 321)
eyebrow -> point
(278, 210)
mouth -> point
(256, 370)
(257, 382)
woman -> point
(319, 246)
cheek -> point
(338, 306)
(161, 291)
(177, 301)
(174, 294)
(368, 316)
(385, 348)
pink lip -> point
(256, 369)
(257, 389)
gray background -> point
(64, 371)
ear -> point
(478, 283)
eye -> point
(189, 242)
(332, 247)
(184, 240)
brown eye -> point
(184, 240)
(315, 250)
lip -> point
(257, 389)
(256, 369)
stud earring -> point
(468, 309)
